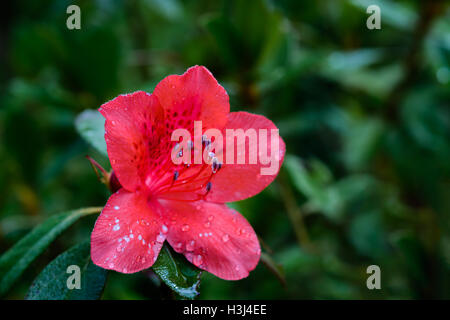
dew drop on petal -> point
(116, 227)
(178, 245)
(185, 227)
(164, 228)
(207, 224)
(211, 217)
(225, 238)
(160, 238)
(198, 260)
(190, 246)
(116, 207)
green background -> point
(364, 113)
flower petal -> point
(213, 237)
(234, 182)
(133, 136)
(128, 234)
(195, 95)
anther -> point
(175, 175)
(216, 165)
(180, 154)
(208, 187)
(205, 141)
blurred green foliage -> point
(365, 115)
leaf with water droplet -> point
(177, 273)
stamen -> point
(175, 175)
(216, 165)
(208, 187)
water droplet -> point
(210, 218)
(116, 207)
(143, 260)
(208, 224)
(116, 227)
(164, 228)
(225, 238)
(185, 227)
(198, 260)
(111, 265)
(190, 246)
(178, 245)
(160, 238)
(140, 237)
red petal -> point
(213, 237)
(234, 182)
(132, 133)
(195, 95)
(127, 235)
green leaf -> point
(177, 273)
(52, 282)
(90, 125)
(14, 262)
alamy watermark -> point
(374, 280)
(74, 280)
(74, 20)
(374, 20)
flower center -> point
(185, 178)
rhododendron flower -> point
(183, 204)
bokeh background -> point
(365, 115)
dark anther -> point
(216, 165)
(208, 187)
(180, 154)
(205, 141)
(175, 175)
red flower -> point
(183, 204)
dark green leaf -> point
(177, 273)
(91, 126)
(52, 282)
(14, 262)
